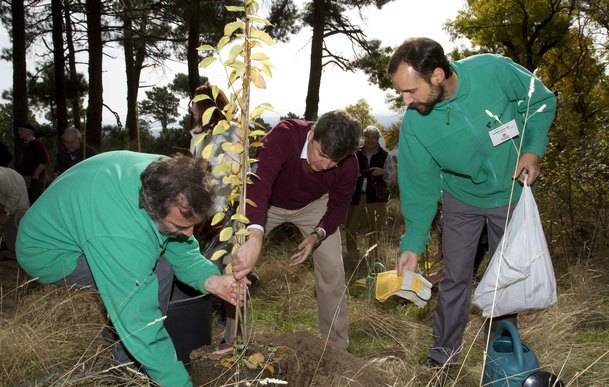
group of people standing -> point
(107, 221)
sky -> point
(287, 89)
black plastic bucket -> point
(189, 324)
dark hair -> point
(337, 133)
(178, 180)
(220, 102)
(424, 55)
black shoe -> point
(432, 363)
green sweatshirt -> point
(93, 209)
(450, 149)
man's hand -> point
(304, 249)
(224, 286)
(245, 258)
(376, 171)
(406, 262)
(529, 164)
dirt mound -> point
(299, 359)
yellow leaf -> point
(227, 362)
(232, 27)
(207, 151)
(236, 50)
(199, 137)
(256, 358)
(235, 168)
(260, 35)
(214, 91)
(220, 169)
(257, 79)
(251, 202)
(256, 133)
(266, 69)
(240, 218)
(218, 254)
(270, 369)
(228, 269)
(223, 42)
(259, 56)
(207, 61)
(200, 97)
(256, 144)
(263, 107)
(205, 47)
(221, 127)
(234, 8)
(217, 218)
(207, 115)
(250, 365)
(226, 234)
(232, 180)
(232, 148)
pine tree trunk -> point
(72, 66)
(20, 102)
(193, 42)
(61, 113)
(312, 102)
(94, 110)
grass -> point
(53, 334)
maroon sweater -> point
(285, 181)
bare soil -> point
(300, 359)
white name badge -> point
(503, 133)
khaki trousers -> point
(328, 268)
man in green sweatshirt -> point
(470, 128)
(105, 223)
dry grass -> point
(53, 334)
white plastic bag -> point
(526, 275)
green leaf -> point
(256, 133)
(235, 8)
(215, 90)
(207, 115)
(266, 69)
(232, 27)
(207, 61)
(226, 234)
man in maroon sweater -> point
(306, 176)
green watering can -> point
(508, 361)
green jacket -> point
(450, 149)
(93, 209)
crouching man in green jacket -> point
(105, 223)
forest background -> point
(566, 41)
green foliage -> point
(362, 112)
(522, 30)
(161, 105)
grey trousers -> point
(461, 229)
(82, 277)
